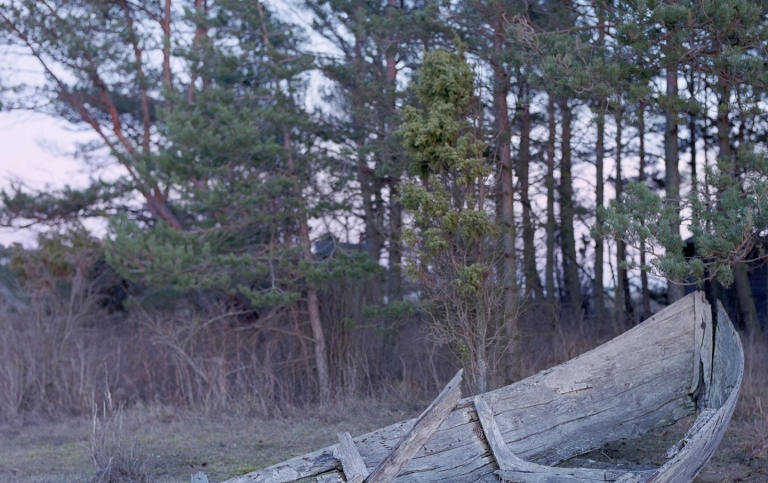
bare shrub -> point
(48, 348)
(115, 461)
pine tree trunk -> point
(533, 287)
(512, 361)
(599, 201)
(570, 265)
(672, 176)
(549, 276)
(645, 292)
(394, 285)
(623, 306)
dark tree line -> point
(350, 163)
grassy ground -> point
(172, 444)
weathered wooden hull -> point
(668, 367)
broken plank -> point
(414, 440)
(351, 461)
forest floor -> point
(168, 445)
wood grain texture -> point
(514, 469)
(641, 380)
(351, 462)
(424, 427)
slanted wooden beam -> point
(414, 440)
(351, 461)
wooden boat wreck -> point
(681, 361)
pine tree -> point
(104, 71)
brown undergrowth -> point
(168, 414)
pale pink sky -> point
(33, 148)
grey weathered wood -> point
(351, 462)
(512, 468)
(505, 459)
(573, 477)
(602, 465)
(643, 379)
(422, 430)
(199, 477)
(330, 478)
(702, 441)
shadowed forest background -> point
(332, 200)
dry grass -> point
(177, 443)
(751, 415)
(115, 460)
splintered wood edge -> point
(414, 440)
(351, 461)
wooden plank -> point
(351, 461)
(636, 382)
(199, 477)
(505, 459)
(422, 430)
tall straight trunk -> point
(394, 284)
(645, 291)
(201, 32)
(165, 26)
(692, 133)
(672, 167)
(370, 190)
(746, 302)
(623, 307)
(570, 267)
(512, 361)
(599, 188)
(313, 301)
(532, 282)
(549, 274)
(599, 202)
